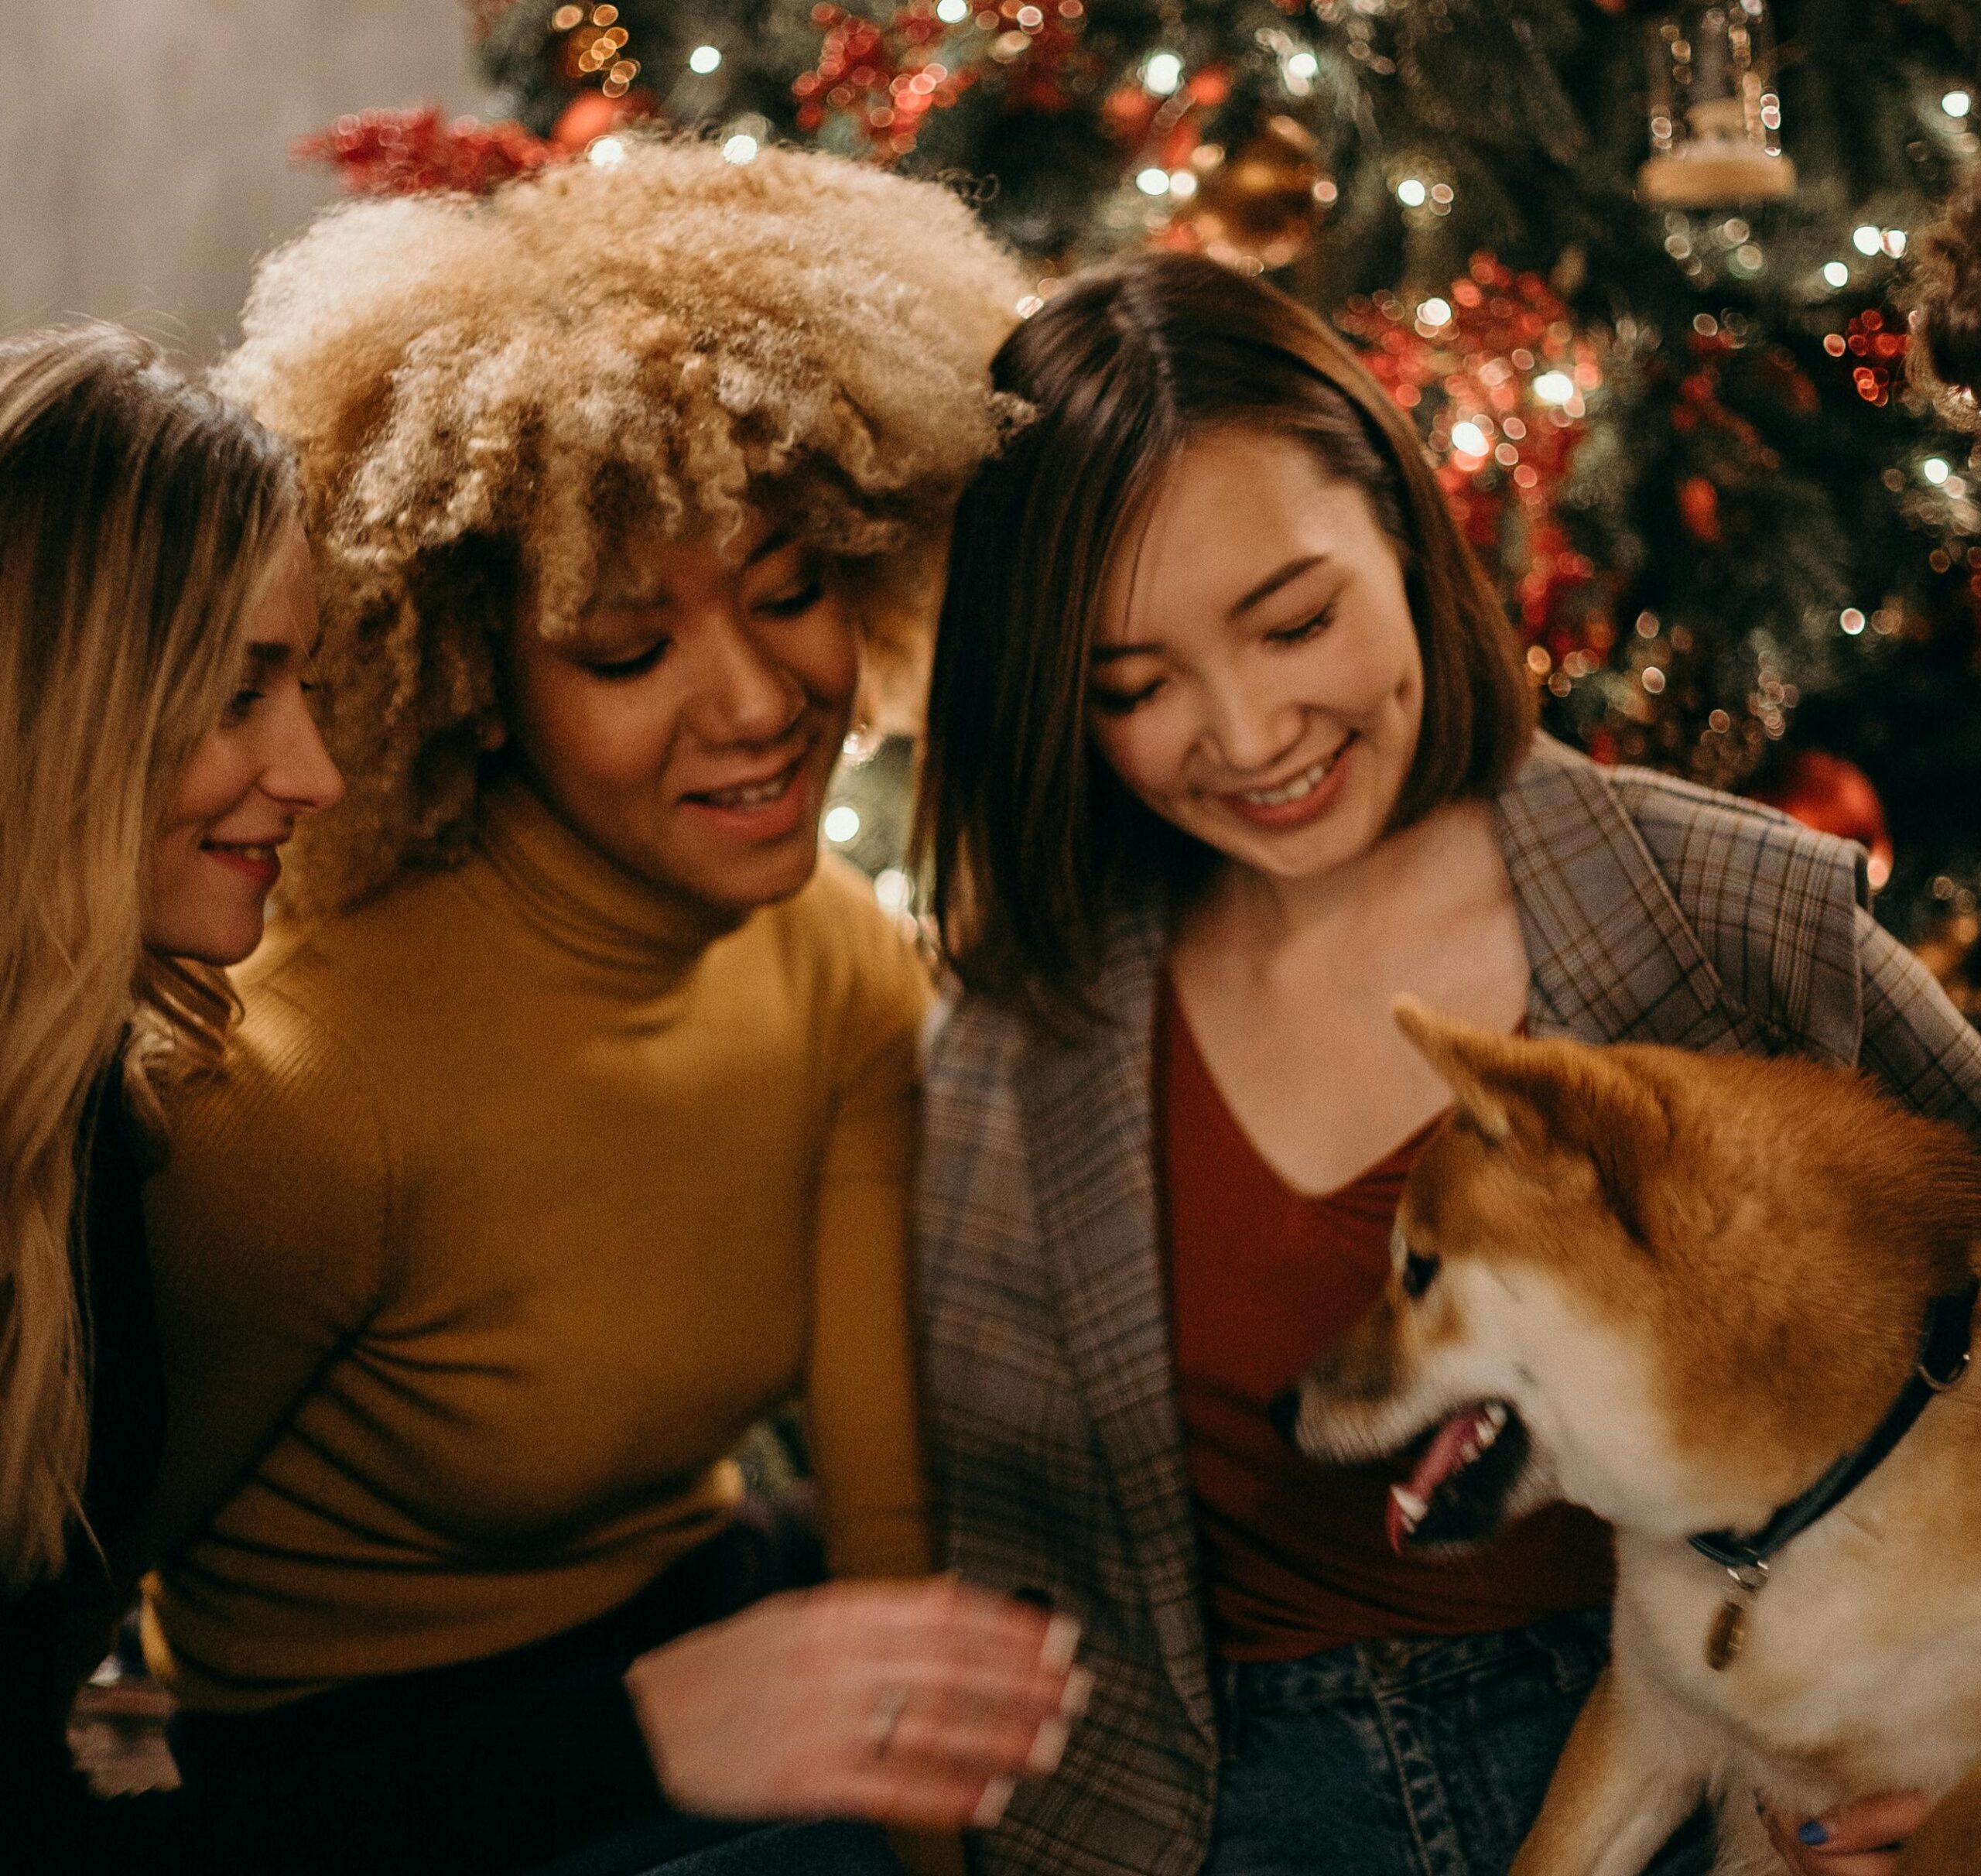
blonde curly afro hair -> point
(488, 398)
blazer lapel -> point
(1089, 1126)
(1612, 956)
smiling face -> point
(213, 860)
(1257, 678)
(688, 728)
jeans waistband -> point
(1574, 1644)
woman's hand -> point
(908, 1704)
(1863, 1839)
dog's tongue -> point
(1457, 1443)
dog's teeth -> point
(1407, 1502)
(1496, 1415)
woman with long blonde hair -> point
(156, 618)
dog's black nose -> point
(1283, 1412)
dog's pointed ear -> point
(1473, 1061)
(1573, 1094)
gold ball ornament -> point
(1260, 204)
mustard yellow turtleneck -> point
(527, 1189)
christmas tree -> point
(1638, 271)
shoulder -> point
(1700, 837)
(1774, 905)
(289, 1138)
(852, 957)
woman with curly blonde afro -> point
(567, 1128)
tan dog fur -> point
(1700, 1280)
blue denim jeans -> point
(1407, 1758)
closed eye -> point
(793, 604)
(1306, 628)
(637, 666)
(1119, 703)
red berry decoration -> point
(1497, 377)
(409, 152)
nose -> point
(1251, 723)
(749, 695)
(1283, 1410)
(300, 774)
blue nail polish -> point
(1813, 1834)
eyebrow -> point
(1281, 577)
(271, 654)
(1285, 576)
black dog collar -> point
(1945, 1348)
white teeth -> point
(1492, 1423)
(754, 795)
(1407, 1502)
(1299, 788)
(1496, 1415)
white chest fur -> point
(1859, 1670)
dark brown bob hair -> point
(1026, 838)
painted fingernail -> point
(1812, 1833)
(1047, 1747)
(1062, 1640)
(1080, 1691)
(990, 1806)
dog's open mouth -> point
(1466, 1471)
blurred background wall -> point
(144, 144)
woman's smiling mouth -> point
(765, 808)
(1302, 798)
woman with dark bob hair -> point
(1229, 747)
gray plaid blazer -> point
(1652, 910)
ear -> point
(1474, 1062)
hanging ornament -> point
(1716, 120)
(1258, 205)
(1833, 796)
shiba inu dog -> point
(1722, 1301)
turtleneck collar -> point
(587, 905)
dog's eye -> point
(1419, 1272)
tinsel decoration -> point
(883, 80)
(1499, 379)
(410, 152)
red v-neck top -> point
(1262, 1278)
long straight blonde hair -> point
(137, 516)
